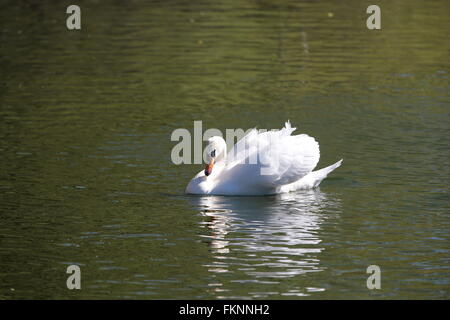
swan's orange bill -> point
(209, 168)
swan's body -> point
(261, 164)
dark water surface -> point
(86, 175)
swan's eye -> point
(213, 153)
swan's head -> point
(214, 152)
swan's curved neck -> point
(222, 157)
(221, 145)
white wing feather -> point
(289, 158)
(268, 160)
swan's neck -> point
(214, 178)
(222, 158)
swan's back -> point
(262, 162)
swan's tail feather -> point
(311, 180)
(321, 174)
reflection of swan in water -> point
(266, 237)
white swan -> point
(261, 164)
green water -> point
(86, 175)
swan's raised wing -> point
(243, 149)
(271, 159)
(288, 158)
